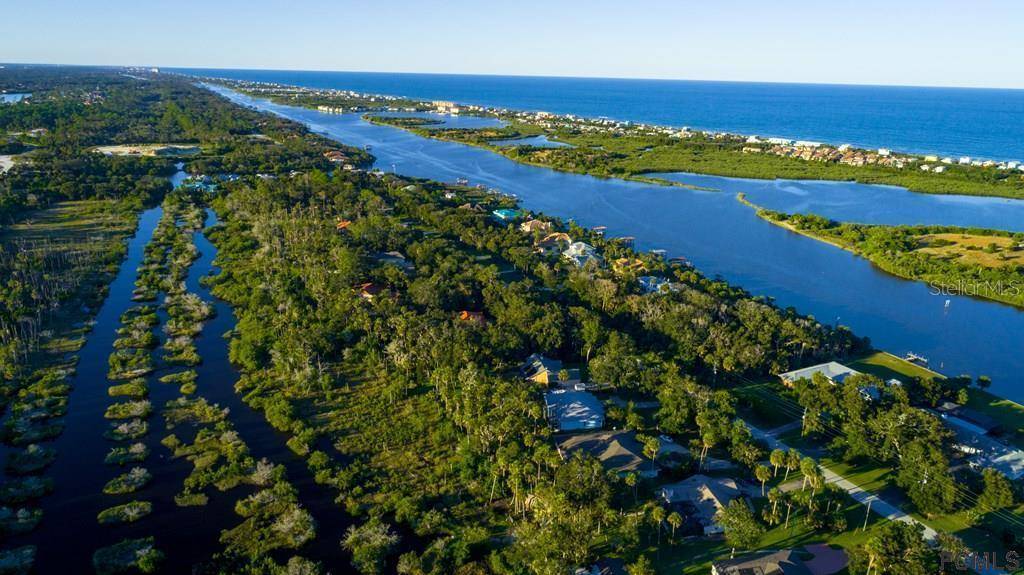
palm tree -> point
(675, 520)
(657, 517)
(777, 459)
(772, 514)
(808, 467)
(651, 448)
(763, 474)
(792, 462)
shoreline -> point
(1017, 405)
(194, 73)
(904, 173)
(762, 213)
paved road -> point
(878, 505)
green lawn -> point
(1008, 413)
(887, 366)
(869, 475)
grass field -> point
(978, 250)
(887, 366)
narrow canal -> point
(69, 532)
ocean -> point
(981, 123)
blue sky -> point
(912, 42)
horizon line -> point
(547, 76)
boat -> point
(367, 147)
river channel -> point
(724, 238)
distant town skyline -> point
(916, 43)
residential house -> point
(654, 284)
(555, 243)
(368, 291)
(473, 207)
(581, 254)
(343, 224)
(537, 364)
(833, 371)
(531, 226)
(628, 265)
(986, 424)
(705, 495)
(974, 440)
(784, 562)
(570, 410)
(395, 259)
(618, 451)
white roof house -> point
(653, 284)
(833, 371)
(571, 410)
(581, 253)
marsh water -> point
(69, 532)
(724, 238)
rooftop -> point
(570, 410)
(835, 372)
(618, 451)
(783, 562)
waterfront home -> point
(618, 451)
(985, 424)
(784, 562)
(446, 107)
(506, 215)
(532, 226)
(336, 156)
(628, 265)
(701, 497)
(570, 410)
(554, 243)
(833, 371)
(581, 254)
(653, 284)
